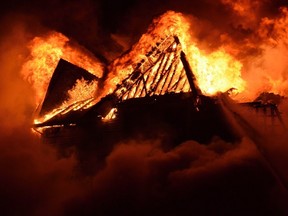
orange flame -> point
(46, 52)
(217, 71)
(267, 71)
(79, 96)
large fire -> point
(114, 158)
(217, 70)
(46, 52)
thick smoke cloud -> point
(33, 180)
(137, 177)
(191, 179)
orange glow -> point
(242, 7)
(81, 95)
(217, 71)
(267, 72)
(46, 52)
(247, 10)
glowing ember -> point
(111, 115)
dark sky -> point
(91, 23)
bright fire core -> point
(216, 70)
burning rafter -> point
(164, 70)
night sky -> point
(91, 23)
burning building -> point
(152, 94)
(159, 96)
(171, 126)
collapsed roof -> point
(164, 69)
(161, 90)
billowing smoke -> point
(33, 179)
(138, 177)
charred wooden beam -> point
(190, 75)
